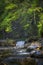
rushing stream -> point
(13, 57)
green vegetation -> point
(22, 17)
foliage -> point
(40, 25)
(27, 14)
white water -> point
(20, 44)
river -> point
(9, 56)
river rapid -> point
(11, 57)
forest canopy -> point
(21, 17)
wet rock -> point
(37, 54)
